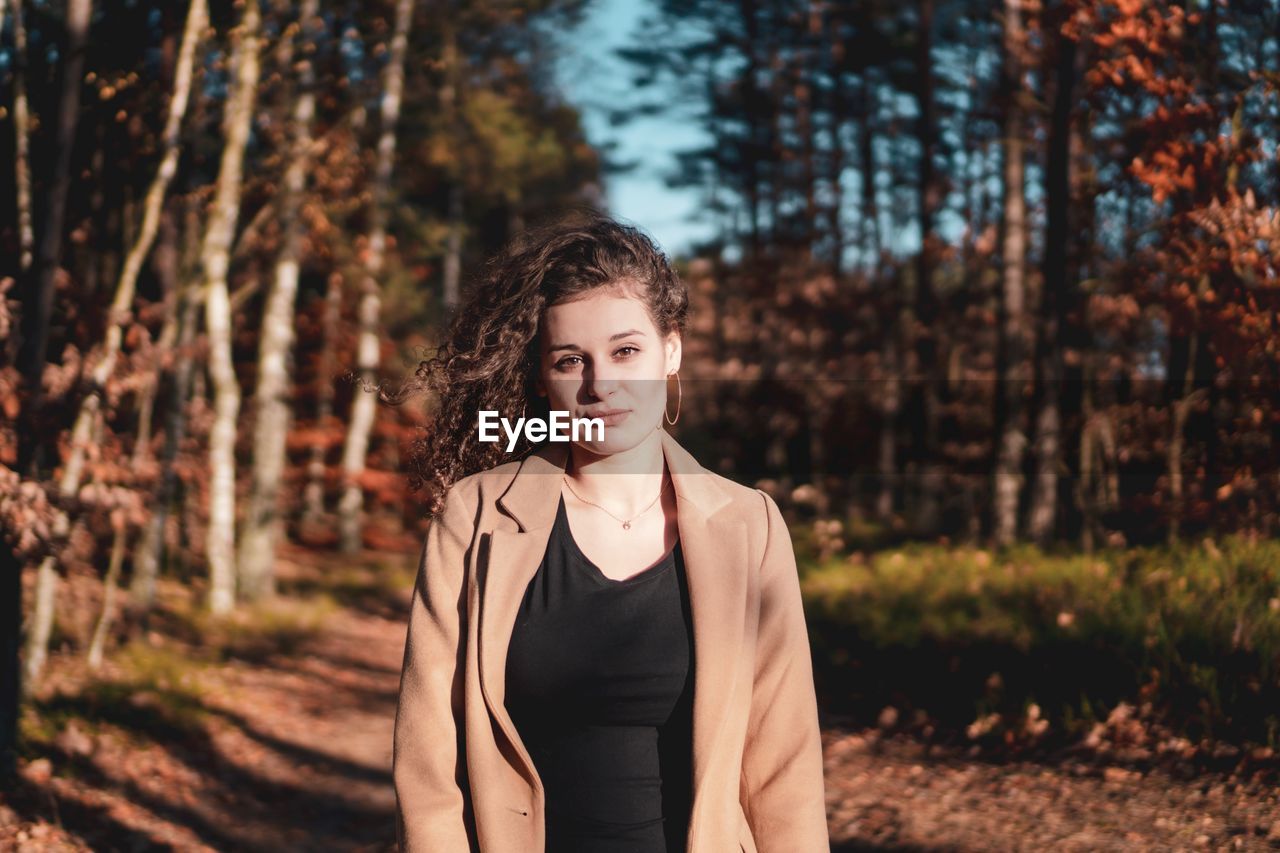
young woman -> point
(606, 649)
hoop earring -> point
(679, 401)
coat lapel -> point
(714, 546)
(511, 561)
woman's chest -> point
(613, 652)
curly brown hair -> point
(490, 358)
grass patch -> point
(154, 687)
(154, 694)
(1192, 630)
(378, 586)
(255, 632)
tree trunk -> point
(835, 123)
(1087, 480)
(449, 105)
(870, 244)
(313, 498)
(271, 425)
(453, 249)
(179, 336)
(22, 141)
(1013, 326)
(37, 307)
(867, 165)
(924, 331)
(774, 155)
(1189, 397)
(1098, 488)
(806, 72)
(926, 190)
(126, 287)
(1048, 445)
(98, 645)
(11, 563)
(888, 446)
(215, 256)
(747, 11)
(355, 451)
(98, 641)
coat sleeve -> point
(782, 790)
(433, 804)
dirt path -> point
(293, 752)
(894, 794)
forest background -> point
(989, 302)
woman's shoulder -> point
(717, 492)
(491, 481)
(740, 494)
(746, 502)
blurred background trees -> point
(261, 199)
(990, 272)
(1002, 272)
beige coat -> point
(464, 780)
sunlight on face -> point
(602, 356)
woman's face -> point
(602, 356)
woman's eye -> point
(627, 351)
(568, 362)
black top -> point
(600, 687)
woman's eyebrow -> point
(628, 333)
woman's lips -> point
(611, 418)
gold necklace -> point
(626, 522)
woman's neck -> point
(624, 480)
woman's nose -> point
(600, 382)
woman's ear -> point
(674, 352)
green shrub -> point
(1194, 630)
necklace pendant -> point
(626, 525)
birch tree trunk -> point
(215, 259)
(351, 504)
(1013, 326)
(120, 538)
(262, 519)
(143, 455)
(98, 644)
(178, 336)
